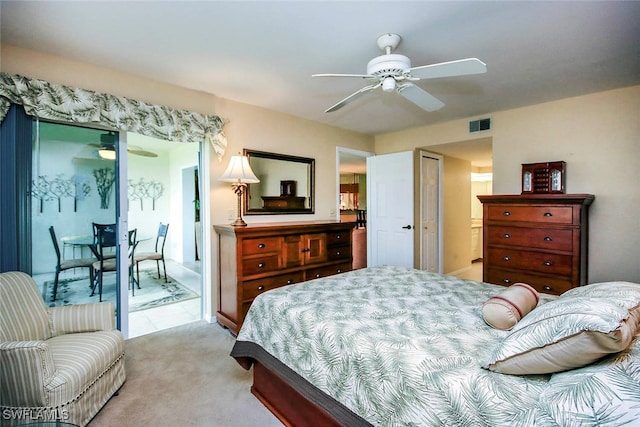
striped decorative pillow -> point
(504, 310)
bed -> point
(390, 346)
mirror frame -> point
(286, 158)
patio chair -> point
(107, 239)
(96, 228)
(68, 264)
(156, 256)
(58, 363)
(361, 218)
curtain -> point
(73, 105)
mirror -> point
(286, 184)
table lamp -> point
(239, 174)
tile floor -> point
(475, 273)
(170, 315)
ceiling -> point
(263, 53)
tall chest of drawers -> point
(539, 239)
(260, 257)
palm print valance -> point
(73, 105)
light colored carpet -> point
(184, 376)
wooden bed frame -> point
(286, 403)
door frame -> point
(122, 228)
(352, 151)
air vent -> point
(479, 125)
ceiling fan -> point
(393, 72)
(106, 148)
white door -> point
(390, 226)
(429, 212)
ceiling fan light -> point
(389, 84)
(107, 154)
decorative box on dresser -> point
(260, 257)
(539, 239)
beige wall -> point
(247, 127)
(265, 130)
(597, 135)
(456, 210)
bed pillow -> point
(572, 331)
(504, 310)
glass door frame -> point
(122, 222)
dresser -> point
(539, 239)
(260, 257)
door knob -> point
(407, 227)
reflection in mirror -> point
(286, 184)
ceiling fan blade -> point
(362, 76)
(140, 152)
(461, 67)
(352, 97)
(422, 99)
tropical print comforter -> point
(403, 347)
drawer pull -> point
(506, 235)
(506, 258)
(548, 263)
(289, 282)
(317, 275)
(338, 253)
(261, 246)
(548, 214)
(339, 236)
(506, 281)
(547, 288)
(261, 288)
(339, 271)
(506, 213)
(548, 239)
(261, 265)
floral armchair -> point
(61, 363)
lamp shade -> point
(239, 171)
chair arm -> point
(70, 319)
(26, 367)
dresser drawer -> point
(538, 214)
(547, 285)
(339, 252)
(261, 245)
(532, 261)
(542, 238)
(260, 264)
(339, 238)
(253, 288)
(330, 270)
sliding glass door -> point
(60, 182)
(78, 245)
